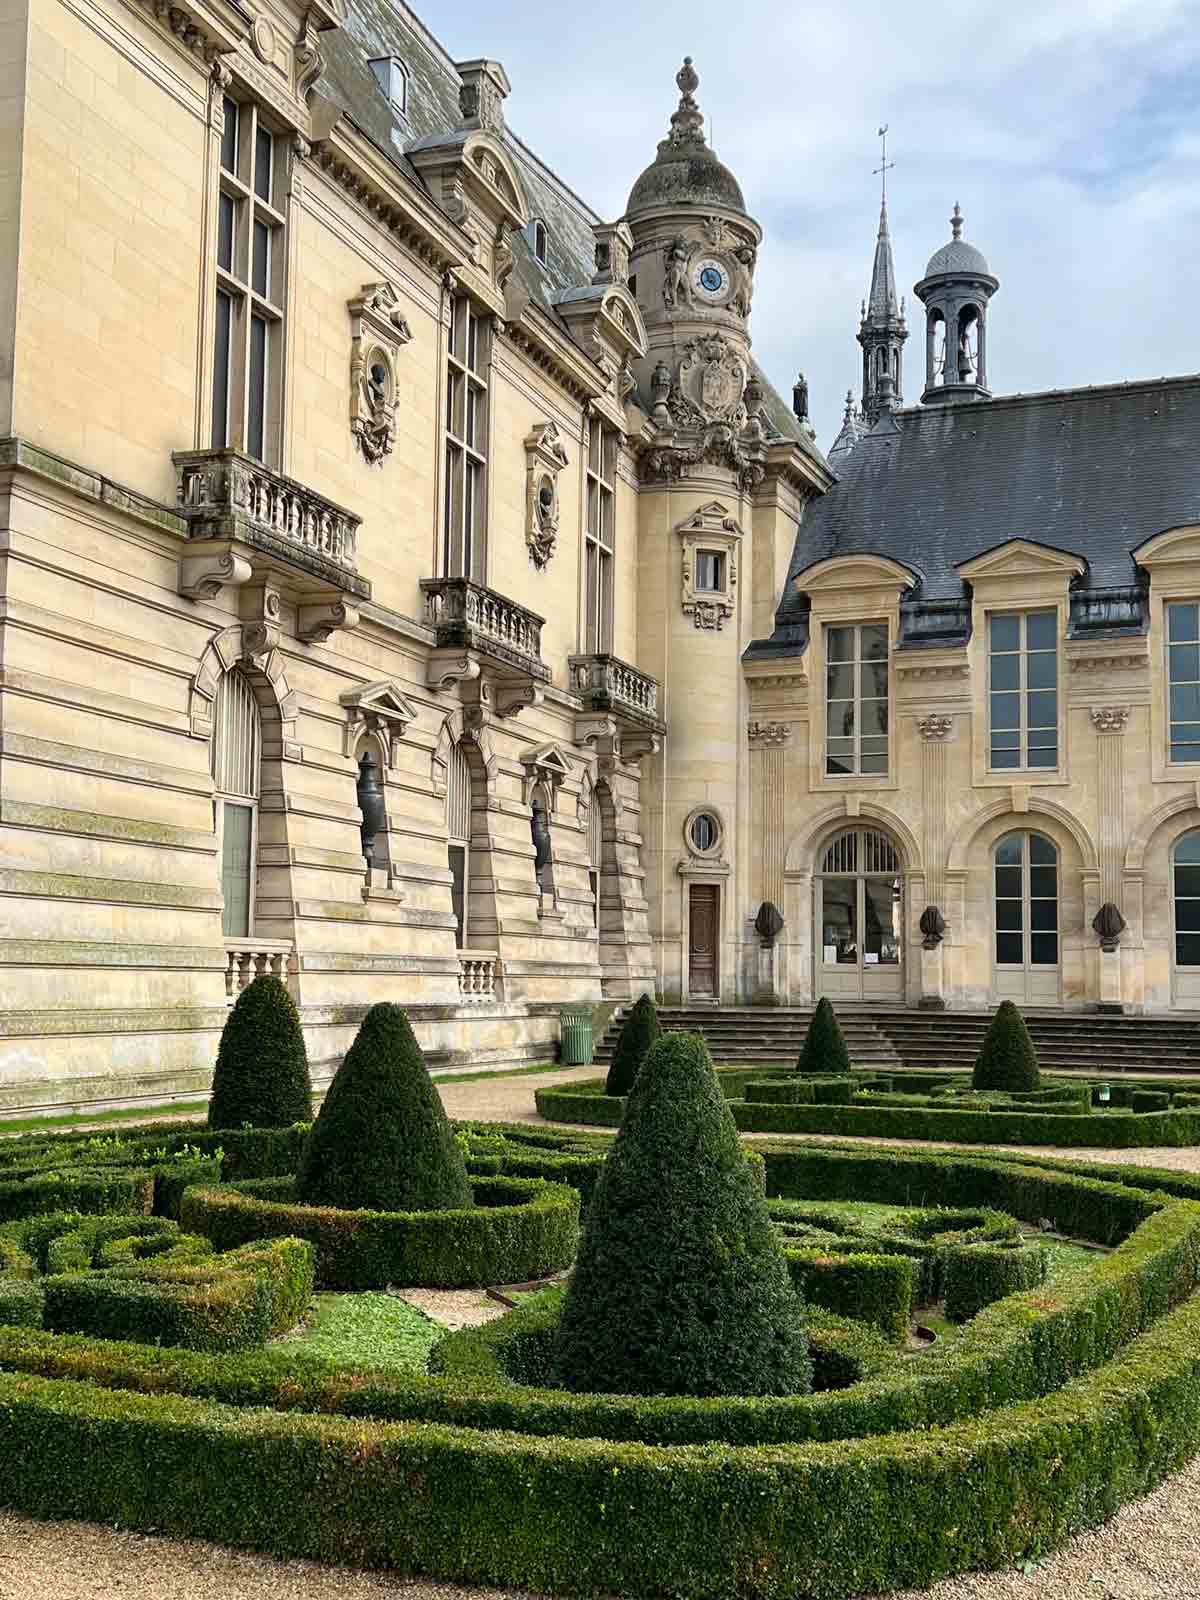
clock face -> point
(710, 280)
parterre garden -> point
(794, 1369)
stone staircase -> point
(880, 1036)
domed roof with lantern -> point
(957, 258)
(685, 171)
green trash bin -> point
(577, 1037)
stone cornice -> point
(551, 350)
(208, 29)
(797, 468)
(356, 165)
(19, 455)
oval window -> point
(705, 831)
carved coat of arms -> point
(712, 380)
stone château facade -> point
(411, 585)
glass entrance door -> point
(1025, 868)
(859, 905)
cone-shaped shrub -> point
(382, 1141)
(1007, 1059)
(638, 1032)
(824, 1049)
(261, 1075)
(680, 1285)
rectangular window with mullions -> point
(1023, 690)
(856, 700)
(1183, 673)
(251, 262)
(599, 540)
(467, 361)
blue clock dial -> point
(712, 279)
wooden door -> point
(702, 940)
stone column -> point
(1109, 723)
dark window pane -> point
(256, 430)
(840, 643)
(262, 257)
(1185, 752)
(1006, 633)
(1005, 740)
(1041, 630)
(1187, 950)
(841, 719)
(875, 642)
(1005, 759)
(1008, 914)
(1043, 949)
(1043, 883)
(1187, 848)
(875, 744)
(1041, 709)
(229, 136)
(1183, 623)
(1185, 702)
(1008, 883)
(1010, 852)
(1006, 672)
(838, 766)
(1185, 663)
(875, 679)
(1041, 850)
(1006, 711)
(839, 682)
(1187, 916)
(264, 147)
(1044, 757)
(874, 764)
(1043, 915)
(220, 420)
(1187, 879)
(1009, 951)
(1041, 670)
(874, 716)
(225, 217)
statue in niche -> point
(677, 289)
(545, 459)
(377, 431)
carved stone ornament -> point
(1109, 719)
(545, 767)
(1108, 925)
(935, 727)
(933, 927)
(378, 330)
(709, 384)
(545, 457)
(380, 708)
(710, 528)
(481, 97)
(310, 61)
(769, 732)
(768, 924)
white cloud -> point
(1064, 128)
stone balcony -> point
(246, 520)
(484, 638)
(607, 684)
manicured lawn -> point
(374, 1330)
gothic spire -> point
(882, 330)
(881, 302)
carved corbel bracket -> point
(548, 766)
(445, 668)
(315, 623)
(379, 708)
(511, 698)
(378, 332)
(545, 457)
(203, 575)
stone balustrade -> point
(606, 683)
(226, 494)
(247, 959)
(478, 976)
(469, 616)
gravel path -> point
(1149, 1551)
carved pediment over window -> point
(605, 322)
(1021, 558)
(711, 537)
(378, 331)
(468, 170)
(381, 708)
(545, 457)
(548, 766)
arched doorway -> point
(1025, 898)
(859, 918)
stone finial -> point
(956, 222)
(481, 97)
(1108, 925)
(687, 124)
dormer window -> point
(538, 238)
(392, 77)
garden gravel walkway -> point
(1149, 1551)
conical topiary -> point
(680, 1286)
(1007, 1059)
(824, 1049)
(382, 1141)
(638, 1032)
(261, 1075)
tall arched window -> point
(595, 837)
(1185, 874)
(458, 830)
(1026, 884)
(234, 760)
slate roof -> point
(1094, 472)
(376, 28)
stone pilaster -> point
(936, 731)
(1109, 723)
(768, 786)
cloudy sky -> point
(1066, 128)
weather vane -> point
(885, 166)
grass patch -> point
(85, 1119)
(500, 1072)
(375, 1330)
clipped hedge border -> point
(873, 1288)
(519, 1229)
(983, 1273)
(715, 1524)
(583, 1103)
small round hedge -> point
(261, 1076)
(639, 1031)
(824, 1050)
(680, 1286)
(382, 1141)
(1007, 1058)
(518, 1229)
